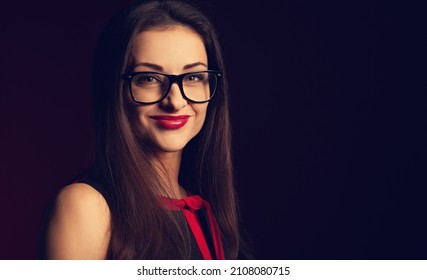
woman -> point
(161, 186)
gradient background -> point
(328, 108)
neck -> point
(171, 162)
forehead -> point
(171, 47)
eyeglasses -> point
(153, 87)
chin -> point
(170, 146)
(172, 141)
(170, 149)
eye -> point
(194, 78)
(143, 80)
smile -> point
(171, 122)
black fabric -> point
(204, 224)
(202, 215)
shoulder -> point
(78, 195)
(79, 227)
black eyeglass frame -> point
(172, 79)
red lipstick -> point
(171, 122)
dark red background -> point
(328, 108)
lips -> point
(171, 122)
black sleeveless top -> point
(205, 239)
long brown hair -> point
(126, 167)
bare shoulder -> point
(80, 224)
(79, 195)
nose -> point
(174, 101)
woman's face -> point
(170, 124)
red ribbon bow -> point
(189, 205)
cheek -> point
(200, 110)
(139, 119)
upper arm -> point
(80, 224)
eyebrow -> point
(160, 68)
(189, 66)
